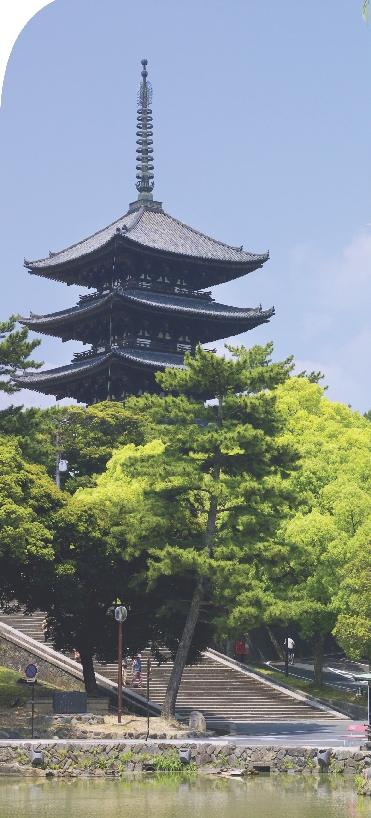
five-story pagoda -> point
(149, 272)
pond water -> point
(175, 796)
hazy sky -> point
(262, 133)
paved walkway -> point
(337, 733)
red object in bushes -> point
(242, 648)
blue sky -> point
(262, 133)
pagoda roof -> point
(152, 230)
(142, 359)
(190, 306)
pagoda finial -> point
(145, 183)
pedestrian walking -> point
(290, 649)
(136, 679)
(124, 670)
(45, 627)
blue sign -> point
(31, 671)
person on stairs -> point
(124, 671)
(136, 679)
(45, 627)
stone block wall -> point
(115, 758)
(16, 658)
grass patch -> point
(322, 692)
(10, 689)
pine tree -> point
(238, 457)
(15, 351)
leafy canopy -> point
(28, 502)
(333, 489)
(232, 455)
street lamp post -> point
(120, 616)
(57, 457)
(148, 676)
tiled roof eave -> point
(130, 356)
(246, 260)
(71, 313)
(163, 303)
(51, 271)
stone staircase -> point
(29, 625)
(221, 688)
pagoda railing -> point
(149, 287)
(133, 343)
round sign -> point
(121, 613)
(31, 671)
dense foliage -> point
(333, 488)
(28, 503)
(242, 497)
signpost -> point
(120, 616)
(31, 673)
(148, 675)
(366, 677)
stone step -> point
(220, 691)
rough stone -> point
(68, 756)
(197, 721)
(239, 751)
(324, 757)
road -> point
(337, 733)
(336, 672)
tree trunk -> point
(230, 648)
(276, 644)
(88, 672)
(318, 658)
(168, 707)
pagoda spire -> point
(145, 177)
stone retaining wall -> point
(115, 758)
(16, 658)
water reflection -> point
(174, 796)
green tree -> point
(15, 351)
(128, 505)
(309, 580)
(353, 629)
(100, 553)
(87, 436)
(333, 489)
(205, 496)
(223, 473)
(77, 589)
(28, 502)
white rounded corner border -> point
(14, 15)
